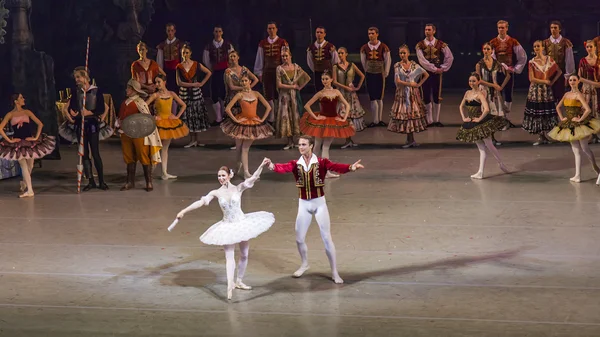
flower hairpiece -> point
(231, 173)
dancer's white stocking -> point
(375, 111)
(428, 113)
(482, 156)
(272, 113)
(26, 172)
(303, 220)
(490, 146)
(324, 222)
(245, 149)
(164, 154)
(230, 268)
(584, 143)
(576, 147)
(317, 146)
(437, 107)
(326, 145)
(238, 155)
(380, 110)
(242, 264)
(218, 112)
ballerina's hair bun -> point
(227, 169)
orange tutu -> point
(326, 128)
(171, 129)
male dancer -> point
(268, 57)
(376, 61)
(145, 150)
(561, 51)
(216, 58)
(506, 49)
(91, 111)
(321, 56)
(435, 56)
(309, 172)
(169, 56)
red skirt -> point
(326, 128)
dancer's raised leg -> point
(490, 146)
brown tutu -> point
(329, 127)
(26, 149)
(249, 129)
(171, 129)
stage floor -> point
(424, 250)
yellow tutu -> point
(567, 130)
(171, 129)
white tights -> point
(230, 262)
(243, 148)
(306, 210)
(322, 146)
(164, 155)
(26, 169)
(578, 146)
(484, 146)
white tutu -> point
(243, 228)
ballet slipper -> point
(240, 285)
(576, 179)
(337, 279)
(26, 195)
(300, 271)
(478, 175)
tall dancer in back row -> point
(560, 49)
(511, 55)
(216, 58)
(376, 61)
(435, 56)
(309, 172)
(268, 58)
(321, 56)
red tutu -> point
(326, 128)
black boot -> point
(148, 176)
(87, 171)
(130, 183)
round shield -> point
(138, 125)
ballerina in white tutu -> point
(236, 227)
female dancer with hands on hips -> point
(236, 227)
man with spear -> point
(87, 125)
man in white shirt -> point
(321, 56)
(268, 58)
(169, 56)
(561, 51)
(216, 58)
(376, 61)
(434, 56)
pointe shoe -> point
(337, 279)
(504, 168)
(247, 175)
(409, 145)
(240, 285)
(26, 195)
(229, 293)
(347, 145)
(478, 175)
(191, 144)
(233, 147)
(22, 186)
(167, 176)
(331, 175)
(597, 170)
(575, 179)
(300, 271)
(289, 146)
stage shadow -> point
(320, 282)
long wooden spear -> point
(81, 148)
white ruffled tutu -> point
(244, 228)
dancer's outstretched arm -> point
(249, 183)
(204, 201)
(282, 168)
(342, 168)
